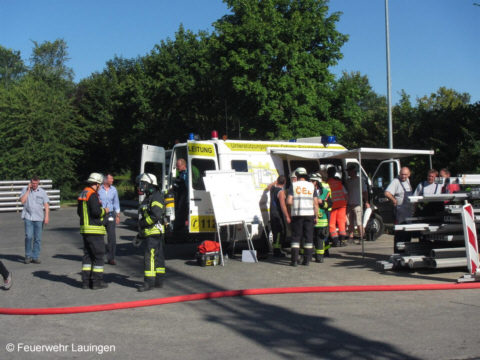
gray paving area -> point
(341, 325)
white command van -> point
(264, 161)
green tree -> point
(276, 55)
(184, 86)
(40, 130)
(443, 99)
(443, 122)
(12, 67)
(361, 111)
(50, 59)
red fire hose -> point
(231, 293)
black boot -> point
(319, 258)
(294, 260)
(335, 242)
(145, 287)
(307, 257)
(100, 286)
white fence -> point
(10, 194)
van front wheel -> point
(374, 227)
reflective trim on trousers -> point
(151, 271)
(86, 267)
(97, 268)
(296, 245)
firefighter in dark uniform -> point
(91, 213)
(278, 215)
(151, 229)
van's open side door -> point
(202, 156)
(380, 181)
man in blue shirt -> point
(109, 198)
(34, 200)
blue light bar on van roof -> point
(191, 136)
(330, 139)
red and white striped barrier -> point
(471, 244)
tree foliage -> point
(362, 113)
(12, 67)
(263, 73)
(276, 55)
(40, 128)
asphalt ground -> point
(341, 325)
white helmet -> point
(301, 171)
(148, 178)
(95, 178)
(315, 177)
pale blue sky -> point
(433, 43)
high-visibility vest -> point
(338, 195)
(323, 207)
(303, 192)
(327, 187)
(89, 224)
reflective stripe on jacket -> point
(91, 213)
(325, 196)
(151, 211)
(338, 194)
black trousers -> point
(279, 232)
(302, 229)
(111, 239)
(3, 271)
(154, 261)
(93, 262)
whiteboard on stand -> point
(233, 197)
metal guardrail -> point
(10, 194)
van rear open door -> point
(153, 162)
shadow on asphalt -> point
(77, 258)
(278, 328)
(119, 279)
(13, 258)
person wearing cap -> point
(151, 229)
(321, 231)
(338, 215)
(448, 188)
(354, 203)
(91, 213)
(303, 199)
(293, 177)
